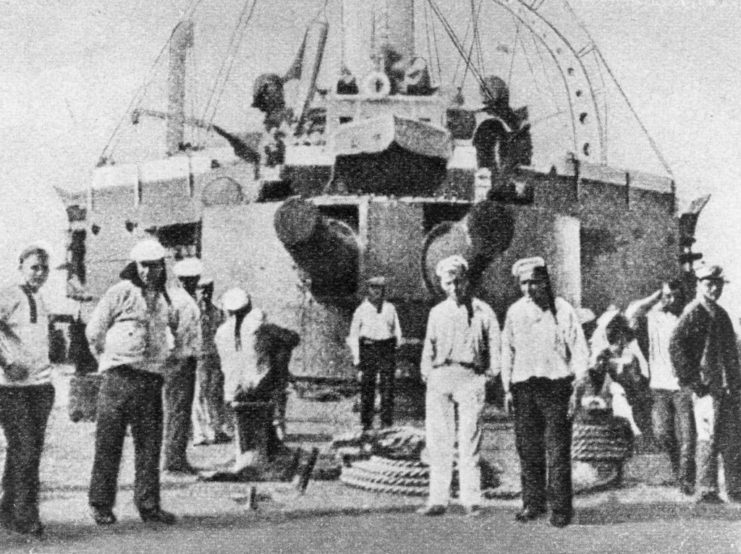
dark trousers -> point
(543, 440)
(254, 417)
(180, 384)
(719, 434)
(674, 430)
(24, 412)
(128, 397)
(377, 358)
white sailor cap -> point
(235, 299)
(188, 267)
(710, 273)
(147, 250)
(377, 281)
(452, 265)
(527, 269)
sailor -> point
(704, 353)
(543, 348)
(461, 351)
(128, 334)
(210, 424)
(180, 375)
(26, 390)
(245, 370)
(375, 334)
(654, 318)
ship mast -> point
(181, 40)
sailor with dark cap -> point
(543, 349)
(461, 351)
(128, 334)
(704, 353)
(375, 334)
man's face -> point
(455, 286)
(669, 298)
(35, 271)
(375, 293)
(150, 272)
(535, 289)
(710, 289)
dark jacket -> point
(703, 350)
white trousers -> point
(449, 387)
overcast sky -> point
(70, 67)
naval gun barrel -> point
(325, 249)
(486, 231)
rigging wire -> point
(437, 50)
(544, 69)
(226, 66)
(514, 52)
(477, 35)
(460, 58)
(140, 93)
(455, 40)
(620, 89)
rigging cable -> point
(477, 35)
(455, 40)
(135, 102)
(597, 51)
(460, 58)
(514, 51)
(544, 68)
(225, 70)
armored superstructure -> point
(386, 173)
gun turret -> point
(325, 249)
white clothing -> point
(31, 339)
(369, 323)
(448, 387)
(535, 344)
(452, 339)
(126, 329)
(242, 368)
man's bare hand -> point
(509, 405)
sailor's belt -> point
(371, 342)
(467, 365)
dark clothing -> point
(377, 358)
(674, 430)
(254, 417)
(277, 344)
(24, 412)
(722, 438)
(128, 397)
(543, 440)
(180, 382)
(703, 350)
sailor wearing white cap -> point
(704, 353)
(128, 333)
(375, 334)
(543, 348)
(243, 368)
(180, 377)
(461, 350)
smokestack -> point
(180, 41)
